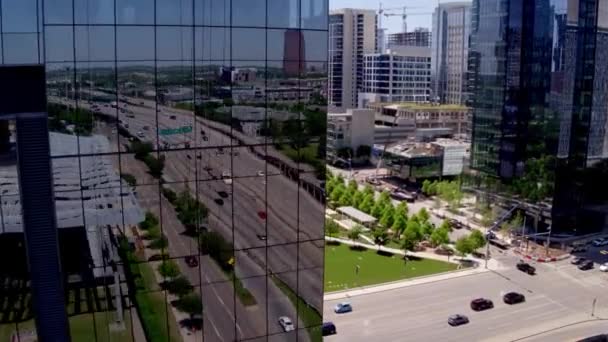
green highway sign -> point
(179, 130)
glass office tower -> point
(538, 76)
(187, 165)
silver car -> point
(286, 323)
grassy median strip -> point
(191, 212)
(309, 315)
(156, 318)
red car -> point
(262, 215)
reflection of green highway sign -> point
(179, 130)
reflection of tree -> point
(537, 181)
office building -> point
(399, 75)
(351, 129)
(122, 170)
(352, 34)
(450, 46)
(540, 105)
(421, 36)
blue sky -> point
(393, 24)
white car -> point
(140, 134)
(599, 242)
(261, 173)
(604, 267)
(286, 323)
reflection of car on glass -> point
(513, 298)
(199, 156)
(262, 215)
(227, 177)
(578, 260)
(262, 237)
(481, 304)
(328, 328)
(192, 261)
(223, 194)
(373, 181)
(146, 128)
(343, 307)
(604, 267)
(173, 117)
(286, 323)
(600, 242)
(458, 319)
(205, 138)
(219, 201)
(207, 168)
(261, 173)
(587, 265)
(140, 134)
(525, 267)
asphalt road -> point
(557, 296)
(291, 212)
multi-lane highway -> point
(261, 211)
(558, 296)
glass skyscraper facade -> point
(187, 148)
(537, 75)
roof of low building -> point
(357, 214)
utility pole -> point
(548, 243)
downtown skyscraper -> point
(143, 196)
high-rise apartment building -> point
(540, 102)
(134, 206)
(399, 75)
(450, 46)
(352, 34)
(421, 36)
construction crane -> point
(382, 12)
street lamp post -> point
(548, 243)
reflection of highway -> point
(292, 213)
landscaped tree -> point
(476, 239)
(330, 185)
(385, 197)
(440, 236)
(413, 232)
(153, 233)
(380, 235)
(337, 192)
(367, 203)
(159, 243)
(401, 209)
(399, 224)
(331, 228)
(425, 187)
(446, 225)
(346, 199)
(352, 186)
(179, 286)
(357, 198)
(378, 208)
(409, 241)
(368, 189)
(168, 269)
(463, 246)
(388, 216)
(355, 232)
(190, 304)
(423, 215)
(426, 228)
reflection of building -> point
(420, 122)
(294, 61)
(74, 181)
(279, 94)
(351, 129)
(451, 29)
(352, 33)
(419, 37)
(541, 104)
(401, 75)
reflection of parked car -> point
(372, 181)
(604, 267)
(261, 237)
(223, 194)
(219, 201)
(579, 249)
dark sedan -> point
(587, 265)
(481, 304)
(513, 298)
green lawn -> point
(341, 262)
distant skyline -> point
(422, 11)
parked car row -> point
(482, 304)
(582, 263)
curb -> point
(542, 259)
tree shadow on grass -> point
(385, 253)
(358, 248)
(332, 243)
